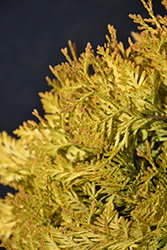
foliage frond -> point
(92, 173)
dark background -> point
(32, 33)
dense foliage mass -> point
(93, 173)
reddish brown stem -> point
(156, 117)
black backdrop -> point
(32, 33)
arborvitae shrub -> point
(93, 173)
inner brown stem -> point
(156, 117)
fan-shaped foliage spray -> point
(93, 173)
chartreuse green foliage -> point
(93, 173)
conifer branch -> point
(92, 173)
